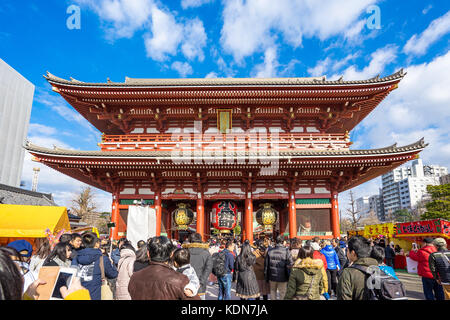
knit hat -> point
(440, 242)
(315, 246)
(428, 240)
(20, 246)
(342, 244)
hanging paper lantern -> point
(266, 216)
(183, 216)
(224, 215)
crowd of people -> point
(165, 269)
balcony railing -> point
(231, 141)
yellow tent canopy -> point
(19, 221)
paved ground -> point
(412, 282)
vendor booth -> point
(31, 223)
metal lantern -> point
(224, 215)
(266, 216)
(183, 216)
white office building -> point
(16, 98)
(405, 187)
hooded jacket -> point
(125, 271)
(201, 261)
(303, 272)
(422, 256)
(88, 261)
(352, 281)
(331, 256)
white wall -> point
(16, 98)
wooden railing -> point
(231, 141)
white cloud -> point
(194, 40)
(378, 61)
(122, 18)
(212, 74)
(183, 68)
(427, 8)
(185, 4)
(166, 35)
(36, 128)
(255, 25)
(267, 69)
(418, 44)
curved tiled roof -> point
(134, 82)
(393, 149)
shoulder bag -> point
(106, 291)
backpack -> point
(442, 265)
(383, 286)
(218, 259)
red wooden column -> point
(292, 216)
(201, 216)
(115, 216)
(248, 218)
(335, 226)
(158, 210)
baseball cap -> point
(440, 242)
(22, 246)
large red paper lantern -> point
(224, 215)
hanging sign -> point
(224, 215)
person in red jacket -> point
(431, 288)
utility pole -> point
(35, 179)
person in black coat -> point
(247, 287)
(277, 264)
(389, 254)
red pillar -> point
(115, 216)
(282, 221)
(201, 217)
(292, 216)
(335, 227)
(248, 219)
(158, 210)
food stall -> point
(414, 232)
(32, 223)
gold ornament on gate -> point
(266, 216)
(183, 216)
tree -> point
(370, 219)
(84, 206)
(402, 215)
(439, 206)
(355, 216)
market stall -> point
(408, 233)
(31, 223)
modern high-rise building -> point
(16, 98)
(405, 187)
(366, 204)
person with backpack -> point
(88, 261)
(431, 288)
(378, 254)
(223, 264)
(277, 264)
(440, 265)
(352, 281)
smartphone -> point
(64, 278)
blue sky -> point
(234, 38)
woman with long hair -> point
(246, 285)
(60, 256)
(42, 253)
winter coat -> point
(246, 285)
(389, 253)
(301, 276)
(125, 271)
(194, 283)
(258, 267)
(229, 260)
(277, 264)
(115, 256)
(57, 262)
(331, 257)
(439, 266)
(421, 256)
(36, 263)
(158, 282)
(352, 281)
(201, 261)
(88, 261)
